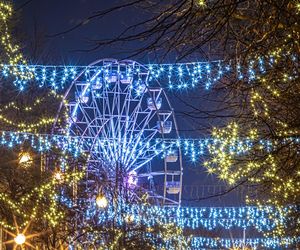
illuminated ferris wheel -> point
(122, 123)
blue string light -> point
(191, 148)
(208, 218)
(193, 218)
(177, 76)
(254, 243)
(42, 143)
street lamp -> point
(101, 201)
(25, 158)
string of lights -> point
(21, 110)
(53, 215)
(178, 76)
(36, 103)
(42, 142)
(192, 148)
(13, 105)
(234, 243)
(42, 122)
(12, 50)
(209, 218)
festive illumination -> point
(40, 121)
(247, 243)
(27, 212)
(179, 76)
(209, 218)
(58, 176)
(195, 218)
(129, 218)
(101, 201)
(12, 51)
(230, 145)
(205, 218)
(233, 168)
(41, 142)
(25, 158)
(225, 146)
(202, 3)
(192, 148)
(13, 105)
(28, 127)
(20, 239)
(132, 178)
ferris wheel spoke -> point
(130, 127)
(111, 149)
(139, 135)
(151, 153)
(126, 124)
(99, 148)
(144, 146)
(102, 130)
(106, 114)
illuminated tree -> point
(104, 219)
(31, 180)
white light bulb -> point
(25, 158)
(20, 239)
(58, 176)
(101, 201)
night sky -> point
(53, 16)
(38, 20)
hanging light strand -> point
(193, 149)
(178, 76)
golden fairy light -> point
(12, 50)
(21, 238)
(58, 176)
(202, 3)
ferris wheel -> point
(122, 122)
